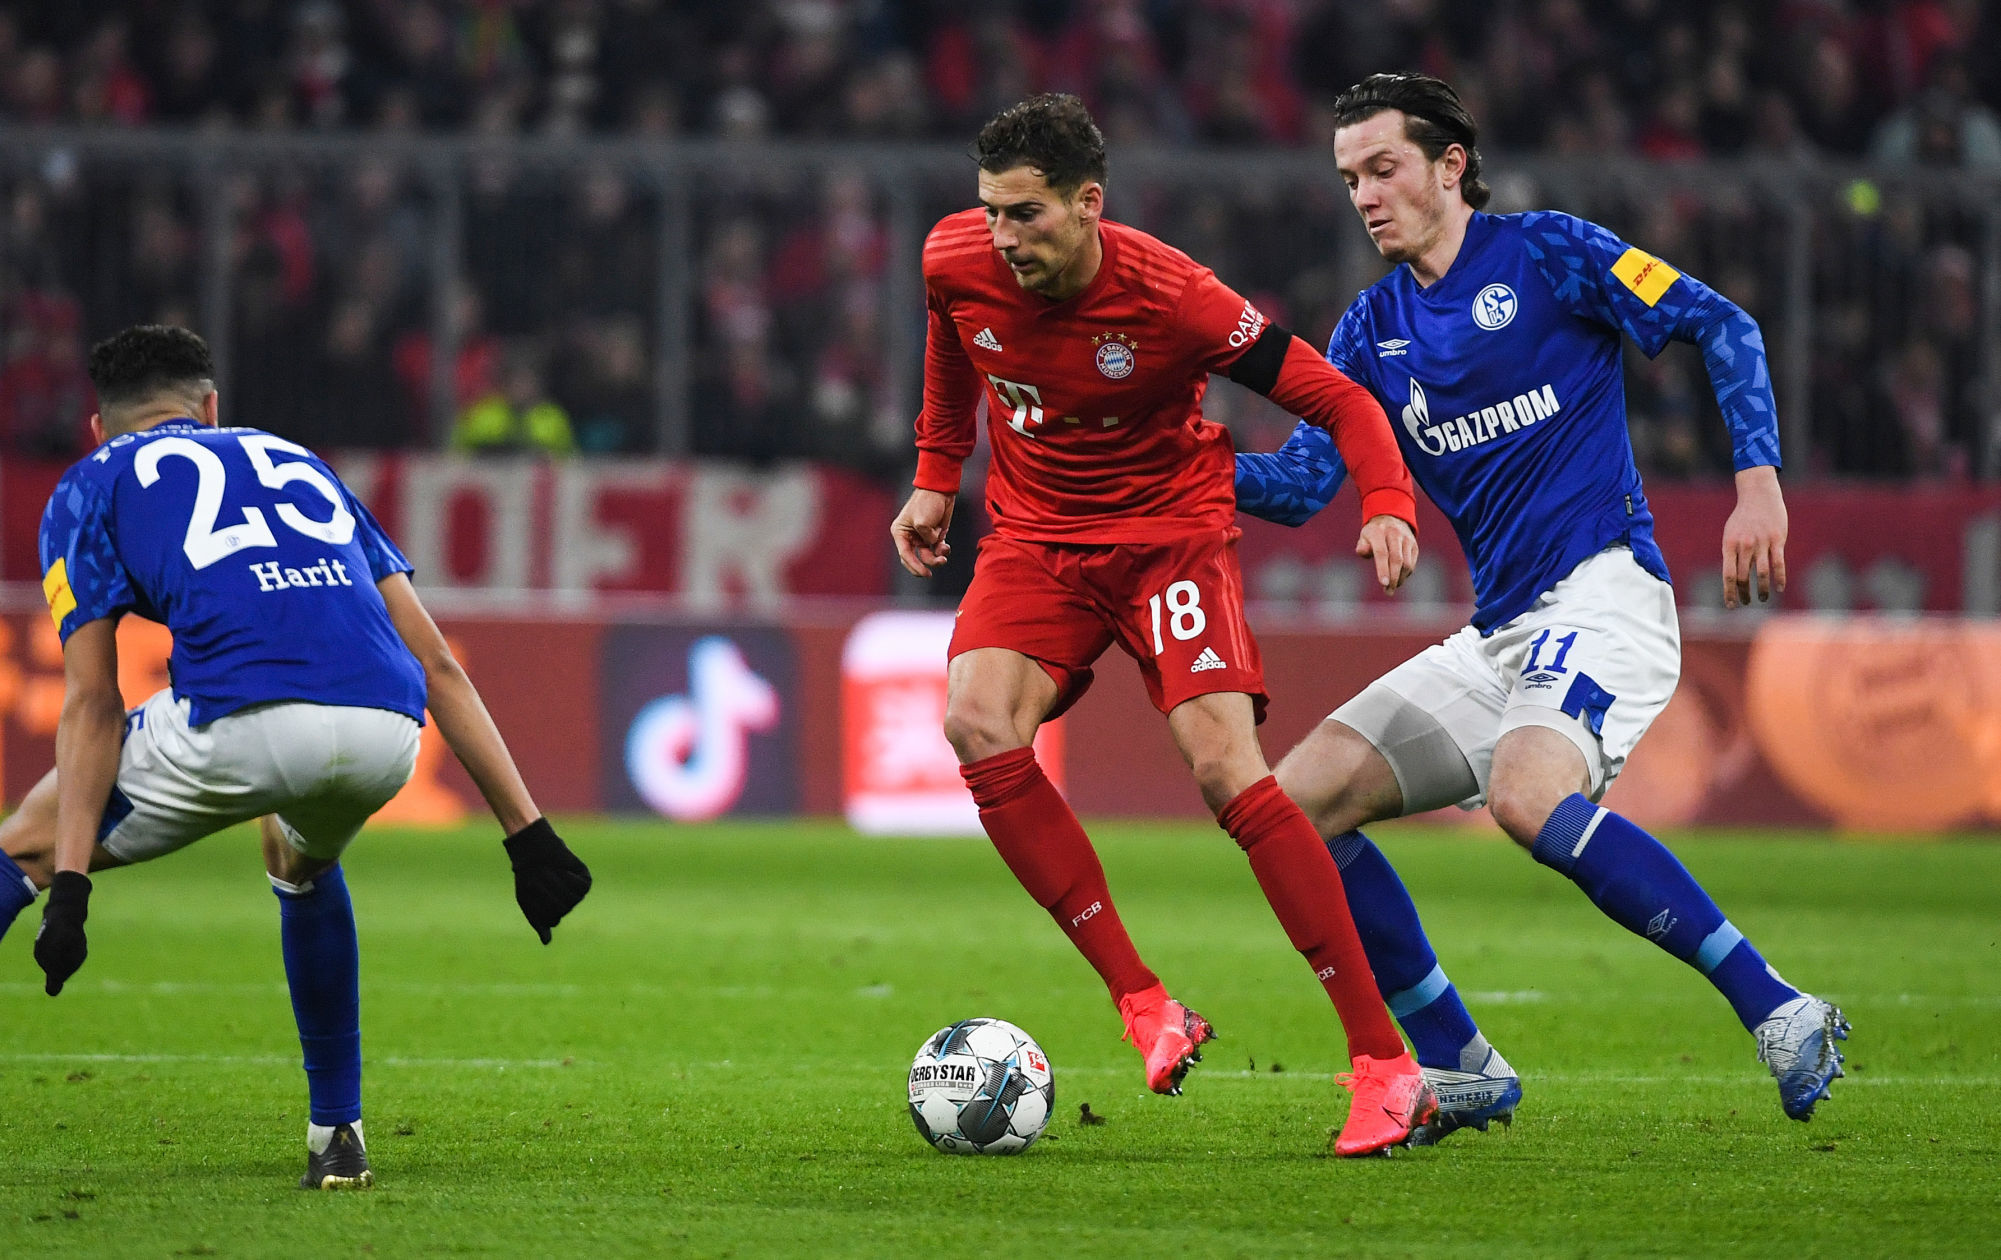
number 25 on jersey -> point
(205, 544)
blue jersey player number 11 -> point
(303, 666)
(1497, 340)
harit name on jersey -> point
(271, 576)
(1475, 427)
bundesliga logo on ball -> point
(981, 1087)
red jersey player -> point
(1113, 506)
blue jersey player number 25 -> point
(302, 669)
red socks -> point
(1042, 842)
(1039, 838)
(1303, 885)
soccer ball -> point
(981, 1087)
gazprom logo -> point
(1475, 427)
(1417, 418)
(688, 755)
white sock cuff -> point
(320, 1136)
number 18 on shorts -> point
(1176, 608)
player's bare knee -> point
(977, 731)
(1344, 808)
(1223, 777)
(1520, 808)
(1339, 781)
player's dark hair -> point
(1434, 119)
(134, 365)
(1052, 133)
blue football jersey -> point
(1504, 387)
(250, 550)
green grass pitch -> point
(710, 1060)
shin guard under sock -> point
(1303, 885)
(1040, 839)
(323, 968)
(1413, 985)
(1645, 889)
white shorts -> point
(1596, 659)
(322, 768)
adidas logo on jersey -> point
(986, 340)
(1207, 660)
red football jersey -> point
(1094, 402)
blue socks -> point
(1412, 983)
(1642, 887)
(17, 893)
(323, 966)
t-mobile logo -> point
(688, 756)
(1089, 910)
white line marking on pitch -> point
(1581, 1078)
(260, 1060)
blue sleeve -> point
(1348, 348)
(1294, 482)
(1599, 277)
(384, 558)
(82, 577)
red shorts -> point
(1177, 608)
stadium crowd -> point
(556, 308)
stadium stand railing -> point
(763, 301)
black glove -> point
(549, 880)
(59, 945)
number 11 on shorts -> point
(1185, 618)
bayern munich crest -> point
(1115, 354)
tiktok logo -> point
(688, 756)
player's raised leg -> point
(1217, 735)
(1539, 797)
(1341, 781)
(323, 970)
(996, 698)
(28, 851)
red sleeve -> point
(1316, 391)
(948, 424)
(1215, 323)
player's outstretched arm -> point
(919, 531)
(1292, 484)
(1286, 370)
(549, 880)
(88, 738)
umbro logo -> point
(986, 340)
(1541, 678)
(1660, 925)
(1207, 660)
(1394, 346)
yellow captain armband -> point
(55, 589)
(1647, 276)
